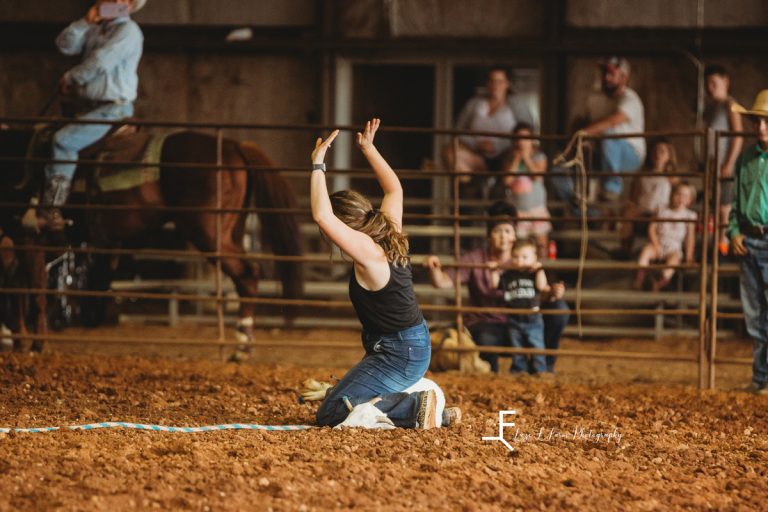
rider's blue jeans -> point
(754, 300)
(392, 363)
(69, 140)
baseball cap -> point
(613, 63)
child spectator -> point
(650, 194)
(522, 284)
(667, 237)
(719, 115)
(527, 193)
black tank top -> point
(519, 287)
(391, 309)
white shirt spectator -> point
(599, 106)
(653, 193)
(476, 116)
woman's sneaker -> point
(451, 416)
(427, 417)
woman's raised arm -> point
(358, 246)
(392, 204)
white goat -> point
(367, 415)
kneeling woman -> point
(395, 335)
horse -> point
(176, 186)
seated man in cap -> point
(616, 109)
(105, 85)
(748, 231)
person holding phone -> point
(104, 87)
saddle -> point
(121, 144)
(142, 147)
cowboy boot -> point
(48, 215)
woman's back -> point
(389, 309)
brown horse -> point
(177, 187)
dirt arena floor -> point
(602, 435)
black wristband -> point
(318, 167)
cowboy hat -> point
(137, 5)
(760, 108)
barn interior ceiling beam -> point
(38, 36)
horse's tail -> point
(280, 231)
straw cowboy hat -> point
(137, 5)
(760, 108)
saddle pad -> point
(142, 148)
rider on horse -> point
(105, 85)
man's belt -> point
(73, 107)
(754, 231)
(92, 104)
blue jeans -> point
(527, 331)
(554, 325)
(490, 335)
(497, 335)
(618, 155)
(564, 187)
(754, 300)
(392, 363)
(69, 140)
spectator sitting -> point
(616, 109)
(528, 193)
(489, 112)
(489, 329)
(522, 284)
(719, 116)
(648, 195)
(668, 236)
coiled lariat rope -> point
(160, 428)
(576, 144)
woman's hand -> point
(365, 140)
(321, 146)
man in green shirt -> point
(748, 231)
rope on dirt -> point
(160, 428)
(576, 144)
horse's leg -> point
(184, 188)
(39, 281)
(245, 276)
